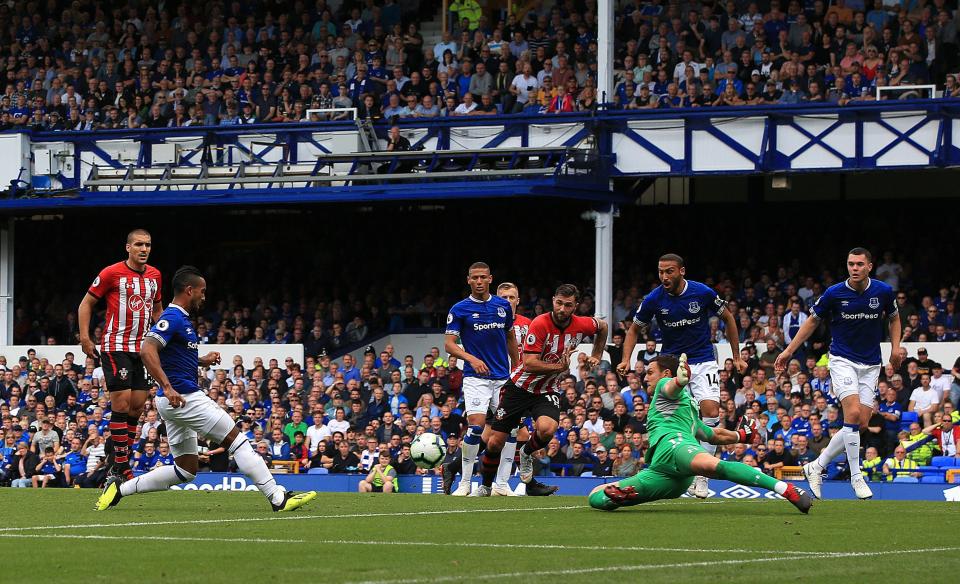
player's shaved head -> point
(478, 266)
(185, 277)
(672, 257)
(138, 232)
(861, 251)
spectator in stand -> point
(925, 400)
(946, 435)
(899, 465)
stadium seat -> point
(932, 478)
(945, 461)
(907, 418)
(906, 480)
(318, 471)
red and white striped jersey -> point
(546, 339)
(130, 297)
(521, 325)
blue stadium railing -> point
(640, 143)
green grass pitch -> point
(212, 537)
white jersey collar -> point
(180, 308)
(686, 284)
(847, 284)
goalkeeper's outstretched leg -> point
(652, 484)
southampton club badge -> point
(123, 373)
(874, 303)
(694, 307)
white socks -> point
(506, 459)
(848, 437)
(469, 450)
(158, 479)
(253, 466)
(851, 442)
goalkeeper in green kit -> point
(675, 456)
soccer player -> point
(169, 352)
(482, 321)
(132, 292)
(675, 454)
(683, 309)
(518, 437)
(535, 383)
(855, 309)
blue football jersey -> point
(684, 319)
(178, 357)
(483, 327)
(857, 319)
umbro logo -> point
(664, 311)
(476, 315)
(844, 302)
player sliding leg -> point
(482, 322)
(169, 352)
(854, 309)
(675, 455)
(683, 309)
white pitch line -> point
(602, 569)
(285, 518)
(343, 516)
(395, 543)
(148, 538)
(599, 548)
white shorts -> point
(848, 378)
(705, 381)
(198, 415)
(481, 395)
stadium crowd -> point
(83, 65)
(340, 415)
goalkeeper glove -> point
(683, 371)
(749, 431)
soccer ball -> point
(427, 450)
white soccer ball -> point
(427, 450)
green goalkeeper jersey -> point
(670, 417)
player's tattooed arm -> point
(636, 332)
(599, 342)
(896, 334)
(733, 337)
(150, 354)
